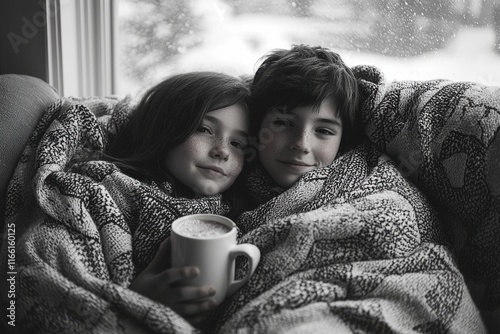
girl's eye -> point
(204, 129)
(239, 145)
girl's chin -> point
(207, 190)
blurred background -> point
(418, 40)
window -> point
(417, 40)
(81, 42)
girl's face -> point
(211, 159)
(299, 140)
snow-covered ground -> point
(469, 56)
(234, 44)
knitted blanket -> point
(352, 245)
(445, 137)
(86, 230)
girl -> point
(173, 119)
(186, 137)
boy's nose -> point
(301, 142)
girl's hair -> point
(165, 117)
(305, 76)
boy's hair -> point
(304, 76)
(168, 114)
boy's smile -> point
(295, 165)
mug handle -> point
(253, 255)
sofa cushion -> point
(23, 99)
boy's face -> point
(299, 140)
(211, 159)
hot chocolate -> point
(195, 228)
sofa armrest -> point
(23, 100)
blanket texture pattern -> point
(352, 247)
(445, 137)
(85, 231)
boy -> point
(303, 111)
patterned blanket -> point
(445, 137)
(86, 230)
(352, 245)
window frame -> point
(81, 44)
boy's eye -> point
(327, 132)
(282, 122)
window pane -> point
(421, 39)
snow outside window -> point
(420, 39)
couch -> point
(23, 99)
(456, 162)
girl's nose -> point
(220, 150)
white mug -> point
(213, 255)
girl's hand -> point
(158, 280)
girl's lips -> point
(213, 171)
